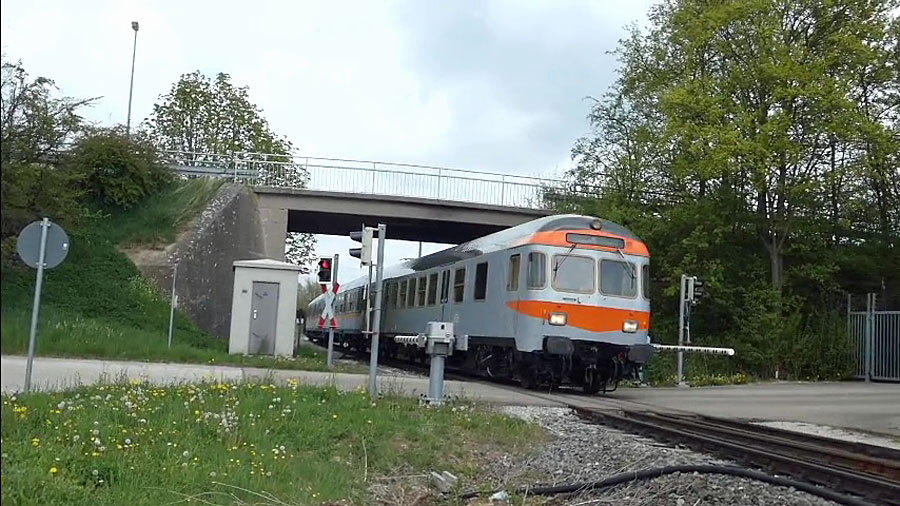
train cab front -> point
(594, 309)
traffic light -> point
(364, 252)
(699, 292)
(325, 272)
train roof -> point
(504, 239)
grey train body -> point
(558, 300)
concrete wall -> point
(229, 229)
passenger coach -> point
(561, 299)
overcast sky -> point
(484, 85)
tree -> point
(214, 121)
(300, 250)
(38, 126)
(755, 143)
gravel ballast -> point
(579, 452)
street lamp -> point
(134, 26)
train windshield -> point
(617, 278)
(573, 274)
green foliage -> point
(228, 443)
(747, 143)
(37, 125)
(117, 170)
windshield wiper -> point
(559, 264)
(630, 266)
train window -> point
(645, 280)
(393, 294)
(420, 291)
(411, 293)
(512, 281)
(573, 274)
(432, 289)
(481, 281)
(617, 278)
(401, 302)
(537, 270)
(459, 284)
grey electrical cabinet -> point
(263, 308)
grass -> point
(157, 221)
(221, 443)
(97, 305)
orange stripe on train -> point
(592, 318)
(558, 238)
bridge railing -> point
(366, 177)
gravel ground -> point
(579, 452)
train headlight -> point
(558, 318)
(630, 326)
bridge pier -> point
(274, 225)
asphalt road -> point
(873, 407)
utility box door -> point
(263, 318)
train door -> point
(513, 293)
(445, 296)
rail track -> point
(871, 472)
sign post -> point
(691, 293)
(41, 245)
(174, 303)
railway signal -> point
(698, 291)
(364, 252)
(325, 271)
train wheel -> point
(593, 383)
(526, 378)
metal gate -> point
(876, 338)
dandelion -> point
(185, 454)
(127, 441)
(334, 416)
(212, 474)
(36, 442)
(53, 470)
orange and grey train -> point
(558, 300)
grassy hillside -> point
(96, 304)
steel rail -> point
(792, 454)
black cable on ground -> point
(648, 474)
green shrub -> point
(118, 170)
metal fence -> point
(367, 177)
(876, 337)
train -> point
(560, 300)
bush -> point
(118, 170)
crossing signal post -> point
(364, 254)
(691, 292)
(327, 275)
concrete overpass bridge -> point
(336, 196)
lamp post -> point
(134, 26)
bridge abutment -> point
(275, 227)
